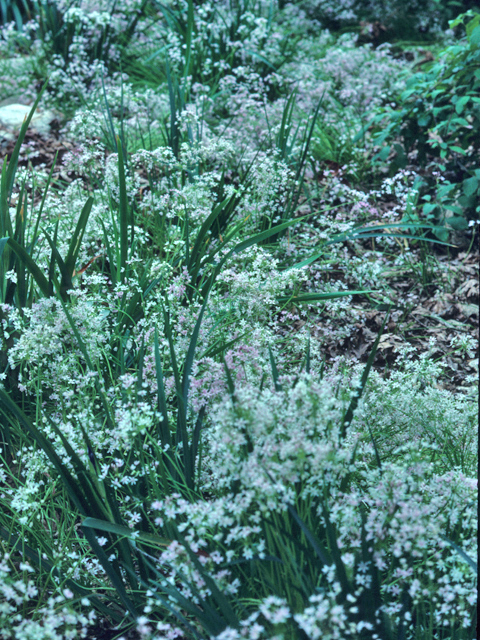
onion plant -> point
(176, 454)
(92, 498)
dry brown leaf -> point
(467, 310)
(469, 289)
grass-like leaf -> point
(471, 563)
(275, 376)
(77, 237)
(363, 381)
(44, 564)
(123, 219)
(36, 272)
(122, 530)
(313, 297)
(161, 401)
(13, 162)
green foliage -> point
(18, 11)
(397, 19)
(59, 33)
(438, 118)
(212, 43)
(177, 431)
(161, 458)
(16, 250)
(301, 534)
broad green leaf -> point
(429, 207)
(384, 153)
(475, 36)
(460, 104)
(470, 186)
(459, 223)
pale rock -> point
(13, 115)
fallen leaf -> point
(469, 289)
(467, 310)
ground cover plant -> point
(239, 309)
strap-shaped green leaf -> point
(312, 297)
(122, 530)
(43, 564)
(13, 163)
(66, 282)
(3, 244)
(161, 401)
(5, 222)
(275, 376)
(36, 272)
(355, 400)
(10, 410)
(123, 214)
(203, 233)
(249, 242)
(77, 237)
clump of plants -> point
(441, 130)
(177, 457)
(16, 11)
(395, 19)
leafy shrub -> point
(438, 118)
(400, 18)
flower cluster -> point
(282, 448)
(56, 618)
